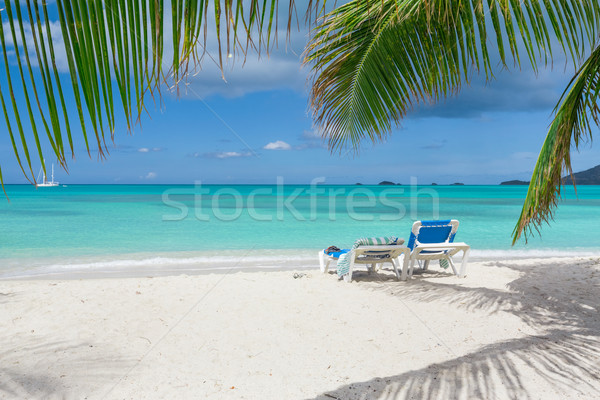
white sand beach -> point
(510, 329)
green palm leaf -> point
(575, 114)
(106, 41)
(373, 61)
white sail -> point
(45, 182)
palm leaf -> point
(106, 42)
(47, 80)
(16, 114)
(23, 81)
(373, 61)
(575, 114)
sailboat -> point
(44, 182)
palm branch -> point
(575, 114)
(374, 61)
(115, 54)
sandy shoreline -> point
(511, 329)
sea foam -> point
(173, 264)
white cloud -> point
(277, 145)
(229, 154)
(60, 53)
(223, 154)
(150, 175)
(147, 150)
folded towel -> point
(343, 263)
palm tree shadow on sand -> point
(61, 365)
(565, 357)
(46, 380)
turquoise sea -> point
(100, 229)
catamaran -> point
(44, 182)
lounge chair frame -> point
(371, 255)
(437, 251)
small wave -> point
(267, 259)
(163, 264)
(166, 261)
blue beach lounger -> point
(370, 251)
(434, 240)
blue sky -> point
(256, 127)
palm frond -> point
(372, 61)
(109, 43)
(572, 124)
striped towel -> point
(343, 263)
(444, 263)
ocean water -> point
(178, 228)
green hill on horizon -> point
(588, 177)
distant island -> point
(390, 183)
(588, 177)
(515, 182)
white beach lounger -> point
(369, 251)
(434, 240)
